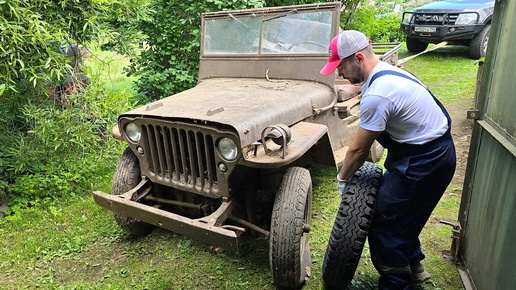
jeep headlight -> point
(228, 149)
(133, 132)
(466, 18)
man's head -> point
(349, 50)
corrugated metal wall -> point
(488, 207)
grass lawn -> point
(75, 244)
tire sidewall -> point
(351, 227)
(289, 251)
(127, 176)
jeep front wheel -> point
(351, 227)
(289, 250)
(126, 177)
(415, 45)
(478, 45)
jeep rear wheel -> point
(415, 45)
(351, 227)
(478, 45)
(289, 250)
(126, 177)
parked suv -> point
(460, 22)
(231, 155)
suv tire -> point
(351, 227)
(415, 45)
(478, 45)
(126, 177)
(289, 251)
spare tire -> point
(351, 227)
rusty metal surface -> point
(275, 68)
(197, 229)
(304, 137)
(279, 9)
(247, 105)
(182, 155)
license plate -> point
(425, 29)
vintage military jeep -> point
(203, 162)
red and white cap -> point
(343, 45)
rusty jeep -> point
(232, 154)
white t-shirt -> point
(403, 108)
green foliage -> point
(169, 60)
(347, 16)
(52, 129)
(378, 22)
(64, 149)
(120, 20)
(28, 50)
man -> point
(398, 111)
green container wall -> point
(488, 207)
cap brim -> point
(330, 67)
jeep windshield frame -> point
(288, 42)
(291, 32)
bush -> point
(65, 150)
(378, 23)
(52, 139)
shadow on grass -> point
(446, 51)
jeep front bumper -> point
(207, 229)
(438, 33)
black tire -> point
(126, 177)
(415, 45)
(375, 152)
(478, 45)
(351, 227)
(289, 250)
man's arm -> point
(357, 152)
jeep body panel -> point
(245, 105)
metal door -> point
(488, 207)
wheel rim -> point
(305, 238)
(484, 46)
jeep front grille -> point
(181, 156)
(435, 18)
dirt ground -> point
(461, 132)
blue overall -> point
(415, 179)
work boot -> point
(419, 274)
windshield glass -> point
(288, 33)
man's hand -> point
(342, 185)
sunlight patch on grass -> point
(110, 66)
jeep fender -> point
(309, 142)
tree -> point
(169, 60)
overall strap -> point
(392, 72)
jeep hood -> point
(460, 5)
(247, 105)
